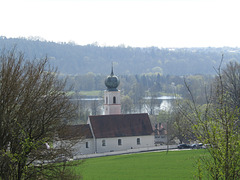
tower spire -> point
(112, 96)
(112, 70)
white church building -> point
(112, 131)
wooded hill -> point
(75, 59)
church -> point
(112, 131)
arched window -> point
(114, 100)
(106, 100)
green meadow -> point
(145, 166)
(90, 93)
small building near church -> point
(112, 131)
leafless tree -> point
(231, 83)
(33, 106)
(127, 105)
(95, 107)
(151, 103)
(181, 128)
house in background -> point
(160, 133)
(112, 131)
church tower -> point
(112, 101)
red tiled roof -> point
(121, 125)
(75, 131)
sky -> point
(136, 23)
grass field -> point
(145, 166)
(90, 93)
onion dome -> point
(112, 82)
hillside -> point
(76, 59)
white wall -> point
(127, 143)
(78, 146)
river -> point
(160, 103)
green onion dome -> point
(112, 82)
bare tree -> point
(127, 104)
(136, 94)
(181, 128)
(151, 103)
(33, 106)
(95, 107)
(231, 83)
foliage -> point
(217, 124)
(76, 59)
(33, 105)
(219, 130)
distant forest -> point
(143, 72)
(75, 59)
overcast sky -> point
(136, 23)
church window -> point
(87, 145)
(119, 142)
(138, 141)
(114, 100)
(106, 100)
(103, 143)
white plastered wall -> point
(126, 143)
(80, 147)
(77, 146)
